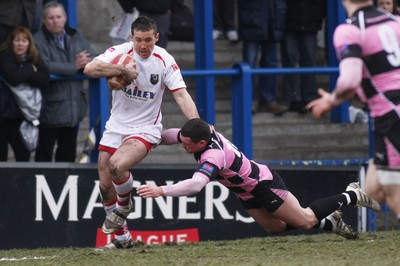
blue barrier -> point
(242, 96)
(241, 74)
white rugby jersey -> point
(139, 104)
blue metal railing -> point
(242, 96)
(99, 98)
(241, 74)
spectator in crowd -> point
(224, 20)
(159, 10)
(20, 62)
(134, 127)
(18, 13)
(65, 51)
(371, 69)
(299, 46)
(261, 26)
(260, 190)
(388, 5)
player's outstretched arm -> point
(185, 103)
(149, 191)
(321, 105)
(348, 81)
(186, 187)
(170, 136)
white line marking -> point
(27, 258)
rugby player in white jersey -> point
(134, 127)
(368, 47)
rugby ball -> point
(117, 82)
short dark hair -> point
(196, 129)
(144, 24)
(52, 4)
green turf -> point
(381, 248)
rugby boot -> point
(363, 199)
(339, 227)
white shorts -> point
(151, 134)
(389, 177)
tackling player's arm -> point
(187, 187)
(99, 69)
(185, 103)
(170, 136)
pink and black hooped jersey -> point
(139, 104)
(223, 162)
(374, 36)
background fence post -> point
(241, 110)
(335, 15)
(99, 109)
(204, 58)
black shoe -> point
(273, 107)
(298, 107)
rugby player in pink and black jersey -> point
(368, 47)
(261, 191)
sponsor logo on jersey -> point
(139, 94)
(175, 67)
(208, 170)
(154, 79)
(343, 50)
(208, 167)
(111, 49)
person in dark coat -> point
(261, 26)
(299, 46)
(159, 11)
(65, 51)
(20, 62)
(19, 13)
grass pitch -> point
(381, 248)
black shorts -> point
(387, 139)
(264, 197)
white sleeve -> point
(113, 51)
(186, 187)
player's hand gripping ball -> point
(118, 82)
